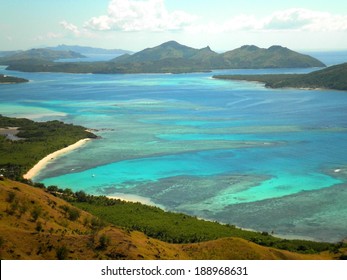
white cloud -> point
(70, 27)
(303, 19)
(144, 15)
(76, 31)
(286, 20)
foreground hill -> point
(35, 224)
(334, 77)
(172, 57)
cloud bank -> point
(286, 20)
(152, 15)
(303, 19)
(145, 15)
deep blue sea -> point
(265, 159)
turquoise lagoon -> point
(231, 151)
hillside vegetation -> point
(334, 77)
(34, 224)
(172, 57)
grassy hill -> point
(171, 57)
(34, 224)
(334, 77)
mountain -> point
(36, 224)
(39, 54)
(333, 77)
(172, 57)
(168, 50)
(89, 50)
(252, 57)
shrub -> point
(10, 197)
(62, 252)
(38, 227)
(73, 214)
(36, 212)
(104, 241)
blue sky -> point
(137, 24)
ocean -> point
(236, 152)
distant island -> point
(334, 77)
(4, 79)
(37, 55)
(170, 57)
(84, 50)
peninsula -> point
(35, 141)
(4, 79)
(333, 77)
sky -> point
(137, 24)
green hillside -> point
(334, 77)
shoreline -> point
(135, 199)
(47, 159)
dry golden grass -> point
(34, 225)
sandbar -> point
(47, 159)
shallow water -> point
(223, 150)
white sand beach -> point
(47, 159)
(135, 198)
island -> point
(333, 77)
(4, 79)
(169, 57)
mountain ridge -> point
(172, 57)
(247, 56)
